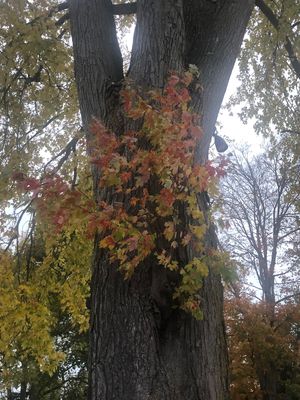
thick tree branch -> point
(294, 60)
(60, 7)
(117, 9)
(124, 8)
(98, 60)
(214, 32)
(62, 19)
(268, 13)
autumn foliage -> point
(262, 305)
(264, 350)
(148, 177)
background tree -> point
(269, 72)
(44, 322)
(263, 306)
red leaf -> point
(167, 197)
(210, 169)
(173, 80)
(108, 241)
(134, 201)
(196, 132)
(184, 95)
(30, 184)
(187, 117)
(125, 176)
(132, 243)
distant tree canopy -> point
(269, 72)
(262, 305)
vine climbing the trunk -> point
(148, 176)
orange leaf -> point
(167, 197)
(107, 242)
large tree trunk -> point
(132, 356)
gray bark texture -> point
(132, 355)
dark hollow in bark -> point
(140, 347)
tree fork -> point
(130, 356)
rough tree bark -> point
(132, 357)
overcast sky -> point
(231, 125)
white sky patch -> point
(231, 126)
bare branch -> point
(287, 297)
(292, 131)
(288, 234)
(16, 236)
(64, 153)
